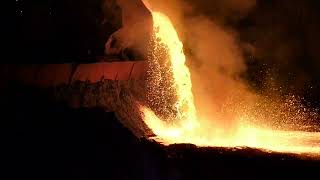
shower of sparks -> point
(171, 113)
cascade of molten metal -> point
(166, 34)
(186, 118)
(188, 129)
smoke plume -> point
(213, 53)
(215, 49)
(136, 28)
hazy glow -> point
(188, 128)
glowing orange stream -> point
(187, 128)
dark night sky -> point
(285, 35)
(60, 30)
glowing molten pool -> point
(185, 127)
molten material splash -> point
(187, 128)
(184, 105)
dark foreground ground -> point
(45, 140)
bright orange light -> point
(188, 128)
